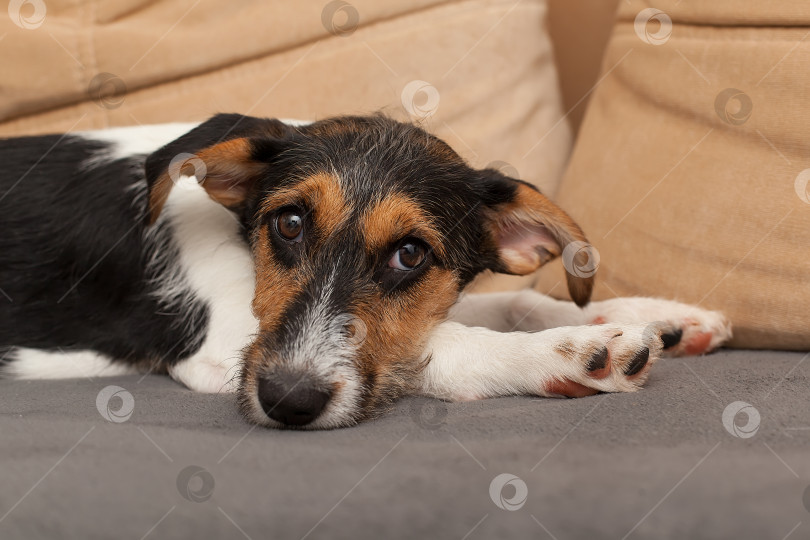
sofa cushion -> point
(690, 175)
(493, 96)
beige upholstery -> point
(690, 171)
(489, 61)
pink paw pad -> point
(697, 343)
(569, 388)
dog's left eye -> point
(408, 255)
(290, 225)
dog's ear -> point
(528, 230)
(227, 155)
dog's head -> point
(363, 231)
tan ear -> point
(227, 171)
(530, 231)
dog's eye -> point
(290, 225)
(408, 256)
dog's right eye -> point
(290, 225)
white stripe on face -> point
(323, 349)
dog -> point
(317, 270)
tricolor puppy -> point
(315, 269)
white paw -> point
(686, 330)
(605, 358)
(203, 375)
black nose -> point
(291, 400)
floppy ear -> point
(227, 155)
(528, 230)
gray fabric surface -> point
(658, 463)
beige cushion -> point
(490, 63)
(688, 173)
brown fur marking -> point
(534, 215)
(275, 285)
(230, 173)
(399, 325)
(322, 194)
(395, 217)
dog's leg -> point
(203, 374)
(197, 372)
(686, 329)
(25, 363)
(474, 363)
(525, 310)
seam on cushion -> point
(798, 29)
(723, 26)
(132, 11)
(719, 24)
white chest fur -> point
(216, 264)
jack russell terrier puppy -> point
(315, 269)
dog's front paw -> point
(605, 358)
(696, 335)
(204, 375)
(686, 330)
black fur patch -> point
(73, 256)
(598, 360)
(672, 337)
(638, 362)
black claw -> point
(598, 360)
(672, 337)
(638, 362)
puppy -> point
(314, 269)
